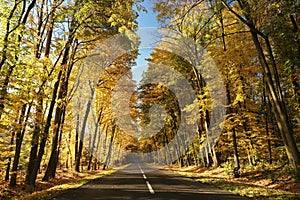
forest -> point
(221, 90)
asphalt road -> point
(141, 182)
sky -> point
(147, 31)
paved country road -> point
(139, 181)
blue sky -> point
(147, 31)
(147, 19)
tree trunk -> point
(215, 158)
(234, 138)
(169, 155)
(295, 79)
(19, 139)
(34, 142)
(107, 160)
(94, 140)
(76, 138)
(51, 168)
(279, 111)
(32, 176)
(36, 157)
(88, 109)
(272, 84)
(60, 136)
(266, 112)
(9, 159)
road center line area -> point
(145, 177)
(150, 187)
(127, 183)
(147, 182)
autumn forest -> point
(69, 104)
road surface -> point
(139, 181)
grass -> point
(47, 190)
(268, 183)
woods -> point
(247, 40)
(43, 44)
(66, 82)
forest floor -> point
(44, 190)
(255, 182)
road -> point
(139, 181)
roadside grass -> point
(261, 183)
(47, 190)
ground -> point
(64, 180)
(256, 182)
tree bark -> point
(19, 139)
(66, 71)
(266, 112)
(94, 140)
(32, 174)
(82, 133)
(234, 138)
(279, 111)
(107, 160)
(34, 142)
(76, 138)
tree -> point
(270, 70)
(264, 22)
(42, 47)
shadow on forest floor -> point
(256, 183)
(64, 180)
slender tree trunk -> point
(9, 159)
(82, 133)
(234, 138)
(97, 158)
(69, 163)
(169, 155)
(19, 139)
(105, 141)
(215, 158)
(266, 112)
(295, 79)
(51, 167)
(202, 157)
(94, 140)
(208, 163)
(60, 137)
(76, 138)
(107, 160)
(34, 142)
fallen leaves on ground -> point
(267, 182)
(46, 189)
